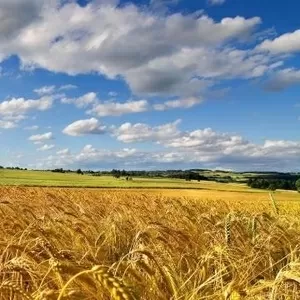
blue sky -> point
(154, 84)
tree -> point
(61, 170)
(298, 185)
(116, 173)
(79, 172)
(123, 173)
(272, 187)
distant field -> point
(38, 178)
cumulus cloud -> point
(21, 106)
(83, 101)
(216, 2)
(16, 109)
(207, 146)
(82, 127)
(170, 54)
(107, 108)
(7, 124)
(34, 127)
(283, 79)
(51, 89)
(45, 90)
(112, 108)
(105, 48)
(41, 137)
(46, 147)
(68, 87)
(170, 136)
(155, 54)
(179, 103)
(65, 151)
(129, 133)
(89, 156)
(112, 94)
(286, 43)
(162, 6)
(12, 22)
(203, 148)
(190, 72)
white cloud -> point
(51, 89)
(46, 147)
(283, 79)
(191, 71)
(7, 124)
(63, 152)
(111, 108)
(155, 54)
(82, 127)
(34, 127)
(113, 94)
(209, 147)
(180, 103)
(45, 90)
(202, 148)
(286, 43)
(83, 101)
(162, 6)
(16, 109)
(129, 133)
(206, 139)
(216, 2)
(107, 108)
(68, 87)
(21, 106)
(41, 137)
(89, 156)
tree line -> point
(274, 184)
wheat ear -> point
(116, 287)
(228, 229)
(14, 289)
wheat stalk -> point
(275, 207)
(253, 228)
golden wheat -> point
(110, 244)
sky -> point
(150, 84)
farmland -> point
(204, 241)
(40, 178)
(48, 179)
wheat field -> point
(126, 244)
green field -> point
(39, 178)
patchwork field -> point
(60, 243)
(40, 178)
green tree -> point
(79, 172)
(298, 185)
